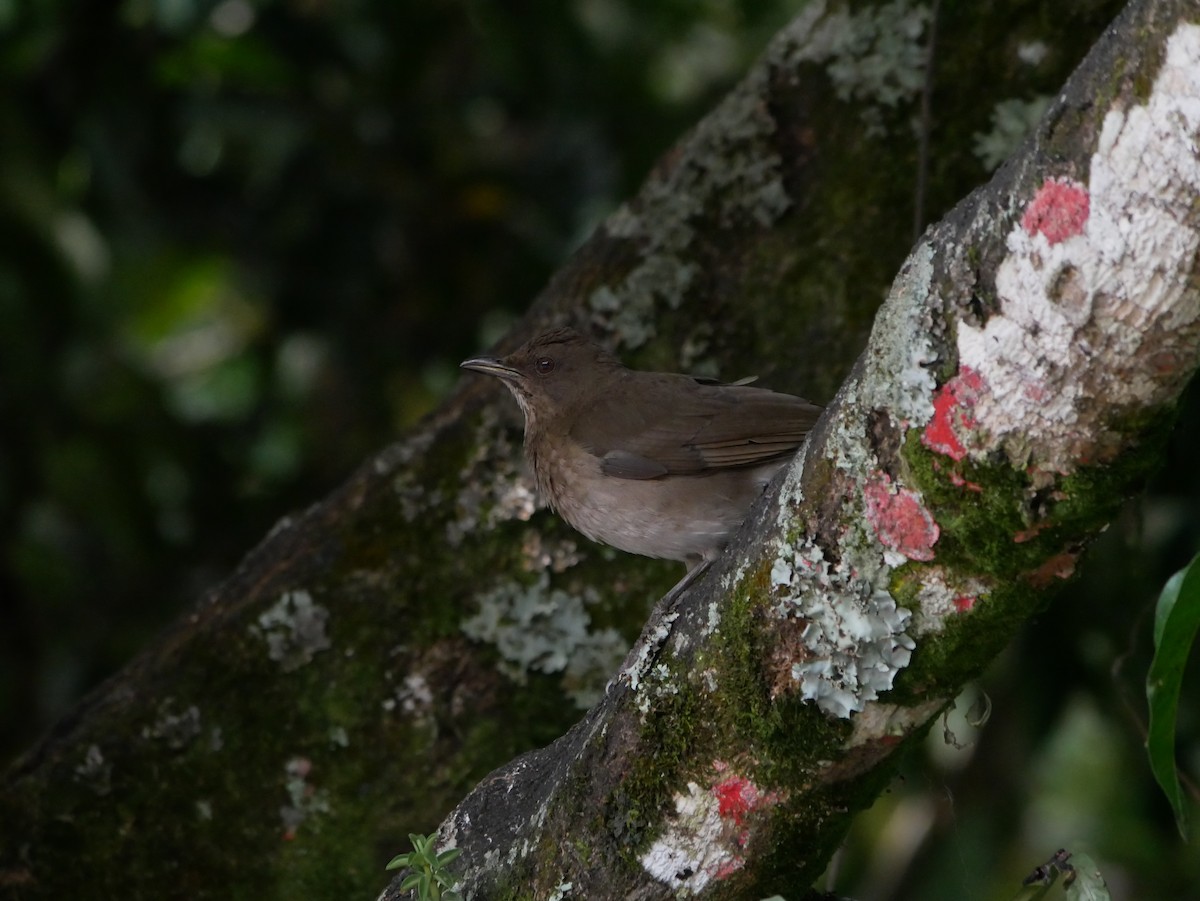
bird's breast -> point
(685, 518)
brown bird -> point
(652, 463)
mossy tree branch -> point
(1017, 387)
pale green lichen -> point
(729, 170)
(178, 730)
(875, 57)
(1012, 121)
(494, 486)
(854, 640)
(900, 357)
(304, 798)
(537, 628)
(94, 771)
(339, 737)
(294, 630)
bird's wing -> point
(674, 425)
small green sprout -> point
(429, 875)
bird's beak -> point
(491, 366)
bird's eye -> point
(544, 365)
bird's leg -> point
(657, 629)
(697, 570)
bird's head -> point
(552, 373)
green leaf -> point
(1088, 884)
(1176, 621)
(446, 856)
(409, 881)
(400, 860)
(1035, 892)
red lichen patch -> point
(1060, 566)
(953, 414)
(963, 603)
(1059, 210)
(899, 519)
(737, 797)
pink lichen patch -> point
(1058, 211)
(953, 415)
(963, 603)
(899, 519)
(729, 867)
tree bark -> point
(381, 652)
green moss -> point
(1005, 533)
(976, 527)
(675, 734)
(768, 728)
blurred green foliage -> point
(244, 243)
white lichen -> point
(539, 553)
(304, 798)
(635, 670)
(713, 621)
(695, 848)
(411, 491)
(413, 696)
(1105, 313)
(657, 682)
(494, 484)
(729, 167)
(1031, 53)
(294, 630)
(939, 599)
(177, 729)
(94, 771)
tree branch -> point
(1016, 388)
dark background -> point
(243, 246)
